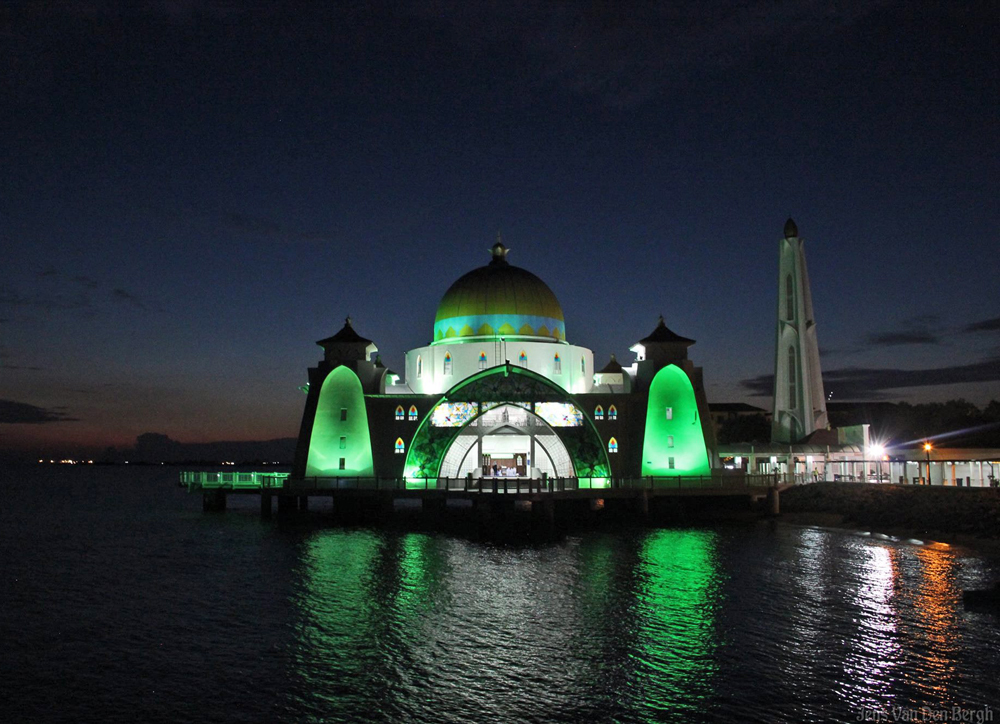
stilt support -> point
(213, 501)
(773, 501)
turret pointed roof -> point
(346, 335)
(611, 367)
(791, 229)
(663, 335)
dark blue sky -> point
(193, 193)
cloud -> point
(86, 281)
(46, 302)
(915, 330)
(128, 297)
(624, 54)
(987, 325)
(898, 339)
(21, 413)
(866, 383)
(268, 229)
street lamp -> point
(927, 452)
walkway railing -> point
(195, 479)
(250, 481)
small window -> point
(670, 440)
(670, 463)
(598, 413)
(447, 363)
(343, 414)
(420, 366)
(522, 359)
(612, 413)
(400, 446)
(557, 364)
(789, 298)
(413, 413)
(343, 442)
(482, 360)
(670, 413)
(612, 445)
(791, 376)
(399, 412)
(583, 366)
(343, 463)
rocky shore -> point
(941, 513)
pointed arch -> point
(340, 413)
(671, 389)
(505, 383)
(612, 446)
(413, 413)
(612, 413)
(399, 412)
(447, 366)
(599, 413)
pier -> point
(549, 497)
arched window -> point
(522, 359)
(598, 413)
(789, 298)
(399, 412)
(612, 413)
(447, 363)
(557, 364)
(583, 366)
(482, 360)
(420, 366)
(400, 446)
(413, 413)
(612, 445)
(791, 377)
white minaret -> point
(799, 404)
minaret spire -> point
(799, 403)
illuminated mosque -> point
(501, 392)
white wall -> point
(465, 362)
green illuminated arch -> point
(505, 383)
(672, 389)
(340, 413)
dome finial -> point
(790, 228)
(499, 252)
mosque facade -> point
(499, 391)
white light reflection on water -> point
(873, 646)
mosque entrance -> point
(507, 441)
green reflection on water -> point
(677, 599)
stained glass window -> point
(523, 358)
(400, 446)
(559, 414)
(413, 413)
(557, 364)
(612, 413)
(453, 414)
(399, 412)
(447, 363)
(612, 445)
(482, 360)
(598, 413)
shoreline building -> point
(501, 392)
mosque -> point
(501, 392)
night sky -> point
(193, 193)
